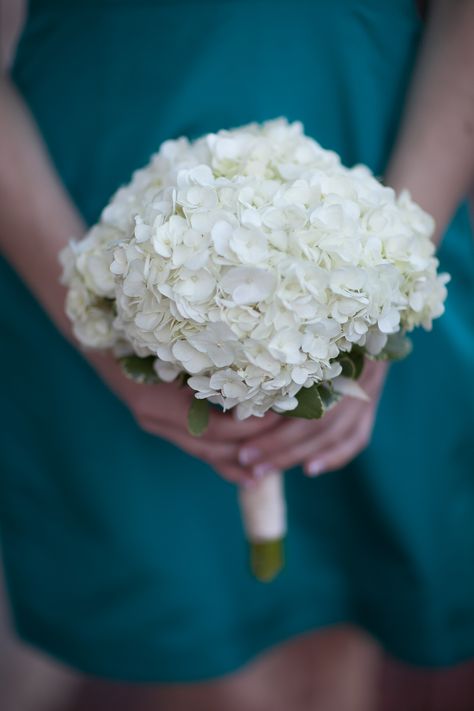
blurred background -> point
(29, 681)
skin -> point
(322, 445)
(433, 157)
(159, 409)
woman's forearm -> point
(37, 218)
(434, 152)
(433, 156)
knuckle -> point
(283, 462)
(265, 445)
(340, 459)
(219, 424)
(146, 424)
(366, 434)
(142, 403)
(333, 463)
(215, 453)
(224, 473)
(213, 432)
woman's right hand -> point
(159, 409)
(162, 410)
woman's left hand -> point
(319, 445)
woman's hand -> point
(159, 409)
(162, 410)
(319, 445)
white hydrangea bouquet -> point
(255, 267)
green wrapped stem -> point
(267, 559)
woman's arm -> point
(434, 158)
(434, 153)
(37, 218)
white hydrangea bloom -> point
(250, 259)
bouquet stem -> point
(263, 511)
(267, 559)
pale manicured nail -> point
(247, 455)
(261, 469)
(314, 468)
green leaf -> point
(352, 363)
(140, 370)
(327, 395)
(106, 304)
(310, 405)
(183, 378)
(357, 356)
(198, 417)
(398, 346)
(348, 368)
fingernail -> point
(261, 469)
(314, 468)
(247, 455)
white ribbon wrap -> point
(263, 509)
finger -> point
(308, 447)
(233, 473)
(288, 458)
(165, 402)
(348, 427)
(224, 426)
(195, 446)
(313, 436)
(374, 371)
(338, 455)
(286, 434)
(221, 458)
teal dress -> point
(124, 556)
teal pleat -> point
(124, 556)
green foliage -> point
(352, 363)
(398, 346)
(198, 417)
(310, 404)
(327, 395)
(140, 370)
(183, 378)
(357, 356)
(106, 304)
